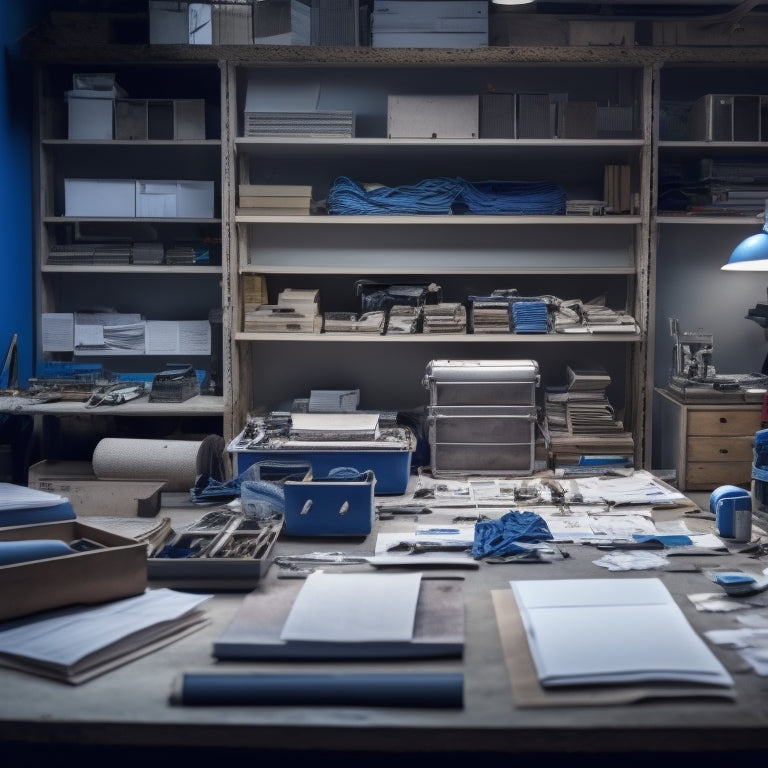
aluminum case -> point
(482, 416)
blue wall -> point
(17, 244)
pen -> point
(438, 531)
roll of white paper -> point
(174, 461)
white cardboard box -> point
(427, 117)
(169, 199)
(90, 114)
(100, 197)
(179, 23)
(90, 495)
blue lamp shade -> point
(750, 255)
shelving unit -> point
(690, 247)
(566, 256)
(164, 291)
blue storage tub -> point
(392, 468)
(329, 506)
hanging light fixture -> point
(751, 255)
(514, 2)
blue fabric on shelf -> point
(499, 537)
(446, 196)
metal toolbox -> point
(482, 382)
(482, 439)
(482, 416)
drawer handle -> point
(723, 450)
(723, 420)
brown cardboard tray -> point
(117, 569)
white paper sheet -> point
(364, 607)
(596, 631)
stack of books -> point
(274, 199)
(351, 322)
(584, 430)
(489, 314)
(445, 317)
(601, 319)
(404, 319)
(254, 292)
(617, 189)
(296, 311)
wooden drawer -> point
(707, 475)
(720, 449)
(713, 423)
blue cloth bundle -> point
(499, 537)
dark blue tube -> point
(343, 689)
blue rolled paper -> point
(12, 552)
(438, 690)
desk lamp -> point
(751, 255)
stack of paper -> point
(445, 317)
(609, 631)
(356, 615)
(73, 645)
(296, 311)
(489, 314)
(334, 426)
(274, 199)
(351, 322)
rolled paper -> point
(12, 552)
(422, 690)
(172, 461)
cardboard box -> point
(90, 114)
(90, 495)
(100, 197)
(115, 570)
(170, 199)
(329, 506)
(433, 117)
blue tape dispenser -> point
(742, 499)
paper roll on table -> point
(174, 461)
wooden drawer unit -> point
(708, 444)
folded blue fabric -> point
(12, 552)
(499, 537)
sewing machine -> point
(692, 367)
(692, 356)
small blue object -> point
(668, 540)
(724, 511)
(733, 578)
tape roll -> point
(725, 492)
(172, 461)
(723, 501)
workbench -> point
(127, 712)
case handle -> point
(343, 509)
